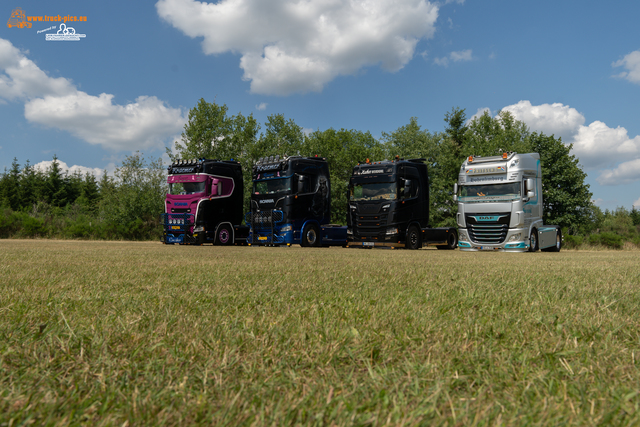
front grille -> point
(265, 227)
(266, 219)
(482, 230)
(371, 225)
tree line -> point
(128, 205)
(55, 203)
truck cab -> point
(204, 203)
(500, 205)
(291, 203)
(389, 206)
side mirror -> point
(216, 187)
(300, 179)
(455, 192)
(407, 187)
(530, 185)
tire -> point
(452, 242)
(533, 240)
(414, 240)
(311, 236)
(558, 245)
(224, 235)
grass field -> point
(95, 333)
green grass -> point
(95, 333)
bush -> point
(611, 240)
(32, 227)
(80, 228)
(608, 239)
(9, 223)
(572, 242)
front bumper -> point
(512, 243)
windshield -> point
(479, 193)
(373, 191)
(178, 188)
(271, 186)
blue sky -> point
(569, 68)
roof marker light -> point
(470, 159)
(504, 155)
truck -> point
(500, 205)
(204, 203)
(291, 203)
(389, 207)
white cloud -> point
(143, 124)
(45, 165)
(463, 55)
(459, 56)
(550, 119)
(637, 203)
(624, 173)
(21, 78)
(290, 46)
(262, 106)
(631, 62)
(57, 103)
(597, 145)
(444, 61)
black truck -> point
(389, 207)
(204, 204)
(291, 203)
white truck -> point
(500, 205)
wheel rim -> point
(223, 236)
(533, 241)
(311, 236)
(558, 241)
(413, 238)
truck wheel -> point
(413, 238)
(533, 240)
(310, 236)
(223, 236)
(558, 245)
(452, 242)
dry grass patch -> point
(107, 333)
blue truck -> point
(291, 203)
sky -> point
(119, 77)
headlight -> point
(462, 235)
(349, 231)
(286, 228)
(352, 207)
(515, 237)
(387, 206)
(392, 230)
